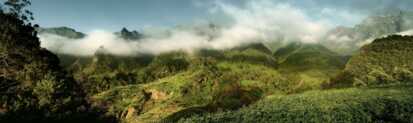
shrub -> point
(403, 74)
(331, 106)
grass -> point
(386, 104)
(228, 87)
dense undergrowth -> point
(33, 87)
(385, 104)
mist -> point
(257, 21)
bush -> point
(379, 63)
(346, 106)
(45, 90)
(403, 74)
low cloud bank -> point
(257, 21)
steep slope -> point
(348, 40)
(256, 53)
(208, 88)
(104, 71)
(308, 56)
(309, 64)
(33, 86)
(206, 81)
(385, 61)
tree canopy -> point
(18, 8)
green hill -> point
(256, 53)
(310, 64)
(33, 87)
(221, 86)
(384, 61)
(308, 56)
(179, 84)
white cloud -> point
(89, 44)
(258, 21)
(407, 32)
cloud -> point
(258, 21)
(88, 45)
(264, 20)
(405, 33)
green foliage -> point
(301, 57)
(208, 87)
(403, 74)
(105, 71)
(250, 56)
(391, 104)
(33, 87)
(378, 76)
(379, 63)
(164, 65)
(17, 9)
(267, 79)
(45, 89)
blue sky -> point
(113, 14)
(86, 15)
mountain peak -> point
(62, 31)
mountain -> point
(129, 35)
(62, 31)
(255, 53)
(206, 86)
(308, 56)
(309, 64)
(384, 61)
(178, 84)
(73, 34)
(348, 40)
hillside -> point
(384, 61)
(207, 81)
(201, 89)
(391, 104)
(309, 64)
(298, 56)
(347, 40)
(382, 66)
(206, 62)
(33, 86)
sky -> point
(241, 22)
(87, 15)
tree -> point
(17, 8)
(1, 8)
